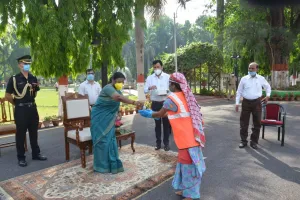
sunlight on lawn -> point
(47, 102)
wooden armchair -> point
(76, 123)
(7, 122)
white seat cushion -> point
(84, 135)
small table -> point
(122, 134)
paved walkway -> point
(271, 172)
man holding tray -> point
(157, 85)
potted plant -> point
(40, 125)
(122, 110)
(131, 110)
(298, 97)
(292, 97)
(47, 121)
(280, 98)
(126, 110)
(286, 97)
(271, 98)
(274, 97)
(55, 120)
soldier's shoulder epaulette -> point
(15, 75)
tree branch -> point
(295, 24)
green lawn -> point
(47, 102)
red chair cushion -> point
(271, 122)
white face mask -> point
(157, 72)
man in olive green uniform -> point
(21, 91)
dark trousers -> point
(26, 118)
(250, 107)
(156, 106)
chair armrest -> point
(71, 125)
(75, 126)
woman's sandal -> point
(179, 193)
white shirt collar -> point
(248, 76)
(87, 82)
(161, 75)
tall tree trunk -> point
(295, 28)
(139, 49)
(148, 64)
(279, 49)
(104, 74)
(220, 17)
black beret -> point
(25, 59)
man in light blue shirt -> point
(157, 85)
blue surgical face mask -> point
(252, 73)
(26, 68)
(90, 77)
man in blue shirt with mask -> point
(90, 87)
(21, 92)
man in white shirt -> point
(90, 87)
(250, 88)
(157, 85)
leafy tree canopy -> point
(257, 34)
(192, 56)
(10, 50)
(60, 35)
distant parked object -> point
(56, 86)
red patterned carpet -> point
(144, 169)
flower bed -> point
(282, 95)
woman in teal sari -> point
(103, 115)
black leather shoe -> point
(39, 157)
(253, 145)
(22, 163)
(242, 145)
(167, 148)
(157, 147)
